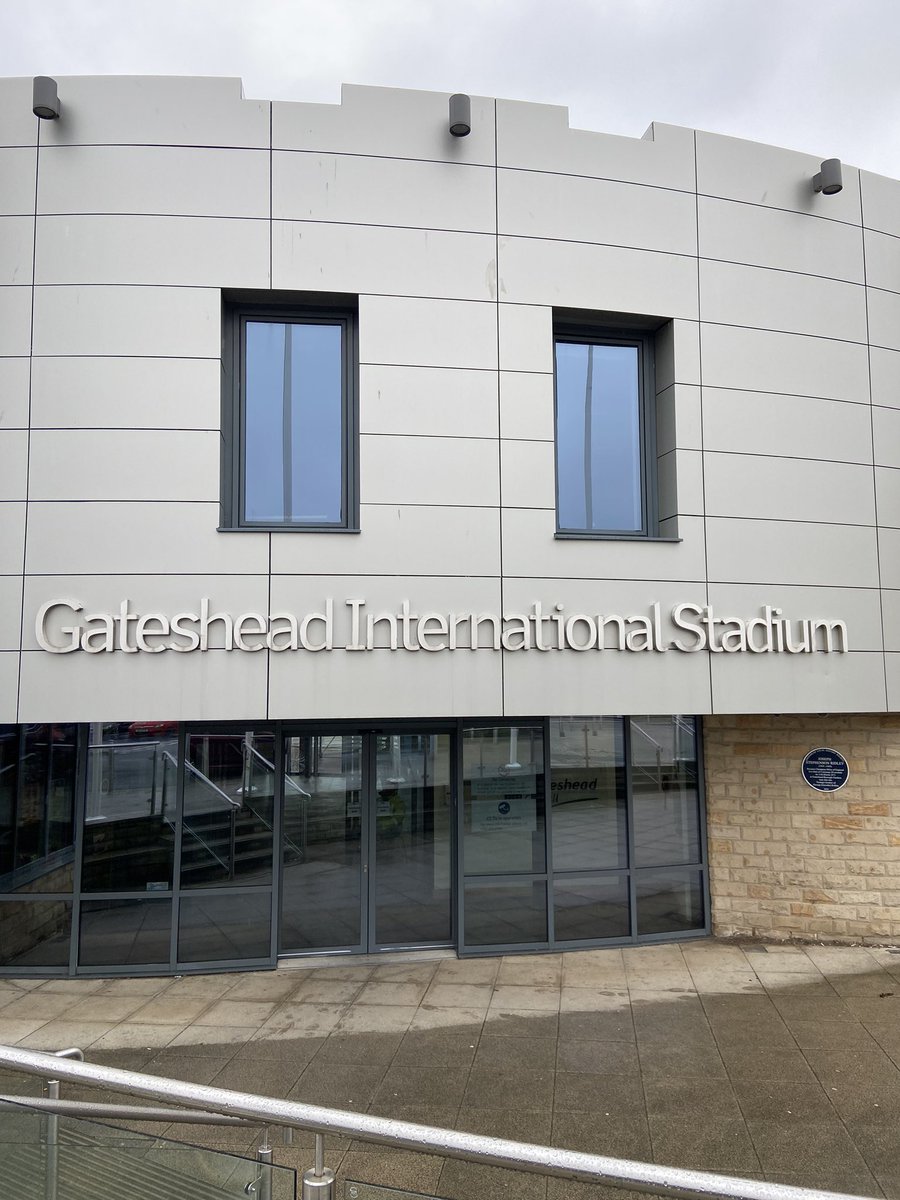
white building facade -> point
(424, 541)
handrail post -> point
(51, 1138)
(264, 1157)
(153, 783)
(233, 846)
(318, 1183)
(51, 1177)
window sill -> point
(566, 536)
(287, 529)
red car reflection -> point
(152, 728)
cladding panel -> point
(176, 181)
(763, 425)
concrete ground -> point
(776, 1062)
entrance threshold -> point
(384, 958)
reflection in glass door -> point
(367, 841)
(322, 838)
(410, 871)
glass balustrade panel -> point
(93, 1159)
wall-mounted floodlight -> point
(45, 98)
(460, 115)
(829, 180)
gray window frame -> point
(643, 340)
(235, 318)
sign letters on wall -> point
(62, 627)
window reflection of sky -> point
(305, 484)
(610, 498)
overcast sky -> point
(814, 75)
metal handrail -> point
(289, 782)
(234, 807)
(143, 744)
(498, 1152)
(85, 1110)
(252, 752)
(643, 732)
(198, 774)
(288, 841)
(189, 829)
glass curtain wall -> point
(626, 818)
(590, 828)
(128, 845)
(321, 905)
(153, 847)
(226, 864)
(625, 857)
(503, 840)
(38, 767)
(179, 832)
(413, 838)
(668, 827)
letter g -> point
(72, 632)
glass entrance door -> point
(367, 836)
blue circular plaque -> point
(825, 769)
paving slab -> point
(777, 1062)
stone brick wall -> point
(786, 861)
(25, 926)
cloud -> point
(814, 75)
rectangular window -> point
(290, 419)
(604, 433)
